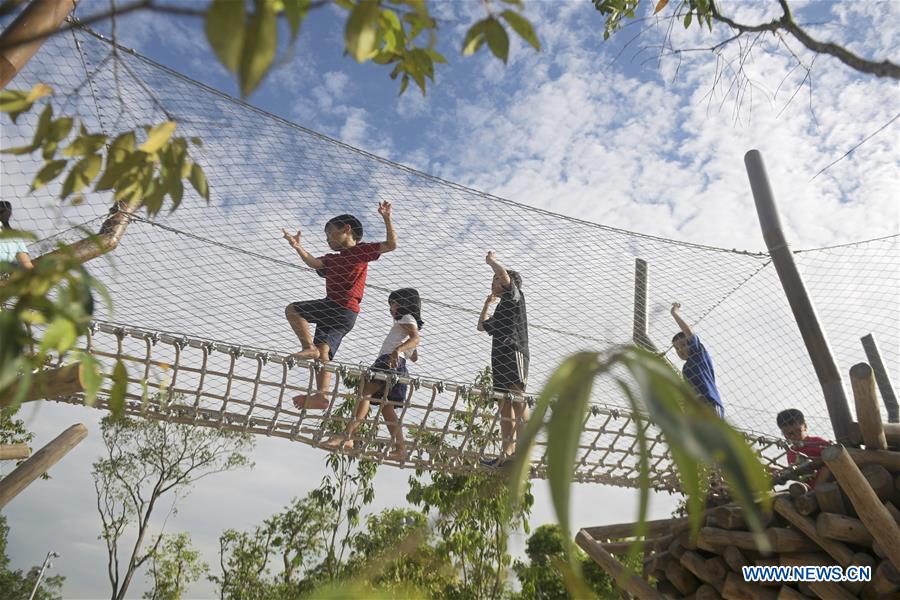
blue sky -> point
(620, 141)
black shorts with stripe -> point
(509, 368)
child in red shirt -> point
(345, 281)
(793, 426)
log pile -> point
(852, 518)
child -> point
(345, 280)
(508, 328)
(399, 345)
(698, 367)
(12, 250)
(793, 427)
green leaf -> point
(90, 376)
(497, 39)
(198, 180)
(522, 26)
(81, 175)
(295, 11)
(48, 173)
(60, 129)
(43, 126)
(197, 142)
(38, 91)
(158, 136)
(13, 100)
(260, 45)
(474, 38)
(225, 31)
(360, 34)
(687, 20)
(60, 335)
(119, 389)
(85, 144)
(18, 150)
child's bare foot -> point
(338, 441)
(398, 453)
(316, 401)
(311, 353)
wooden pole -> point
(862, 381)
(888, 396)
(623, 530)
(630, 582)
(14, 451)
(640, 333)
(840, 552)
(49, 383)
(40, 463)
(35, 23)
(887, 459)
(877, 519)
(799, 300)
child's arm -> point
(499, 270)
(384, 209)
(484, 311)
(310, 260)
(412, 340)
(685, 328)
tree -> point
(541, 577)
(174, 565)
(146, 460)
(15, 585)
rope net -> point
(221, 274)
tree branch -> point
(786, 23)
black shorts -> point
(398, 391)
(509, 369)
(332, 320)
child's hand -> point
(675, 307)
(293, 240)
(491, 258)
(384, 209)
(490, 299)
(395, 359)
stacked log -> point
(852, 520)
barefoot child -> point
(345, 280)
(698, 366)
(508, 328)
(399, 345)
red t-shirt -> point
(345, 273)
(810, 447)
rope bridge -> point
(222, 272)
(449, 426)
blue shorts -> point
(332, 320)
(398, 391)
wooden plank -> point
(624, 530)
(788, 593)
(807, 504)
(830, 498)
(14, 451)
(871, 511)
(683, 580)
(40, 463)
(630, 582)
(711, 571)
(736, 588)
(841, 553)
(830, 591)
(862, 380)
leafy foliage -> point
(146, 460)
(696, 437)
(174, 565)
(15, 585)
(618, 11)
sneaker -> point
(496, 463)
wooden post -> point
(736, 588)
(640, 332)
(43, 459)
(14, 451)
(683, 580)
(801, 304)
(888, 397)
(49, 383)
(35, 23)
(830, 499)
(867, 412)
(843, 529)
(807, 504)
(887, 459)
(885, 580)
(788, 593)
(630, 582)
(871, 511)
(828, 590)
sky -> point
(608, 132)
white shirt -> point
(397, 336)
